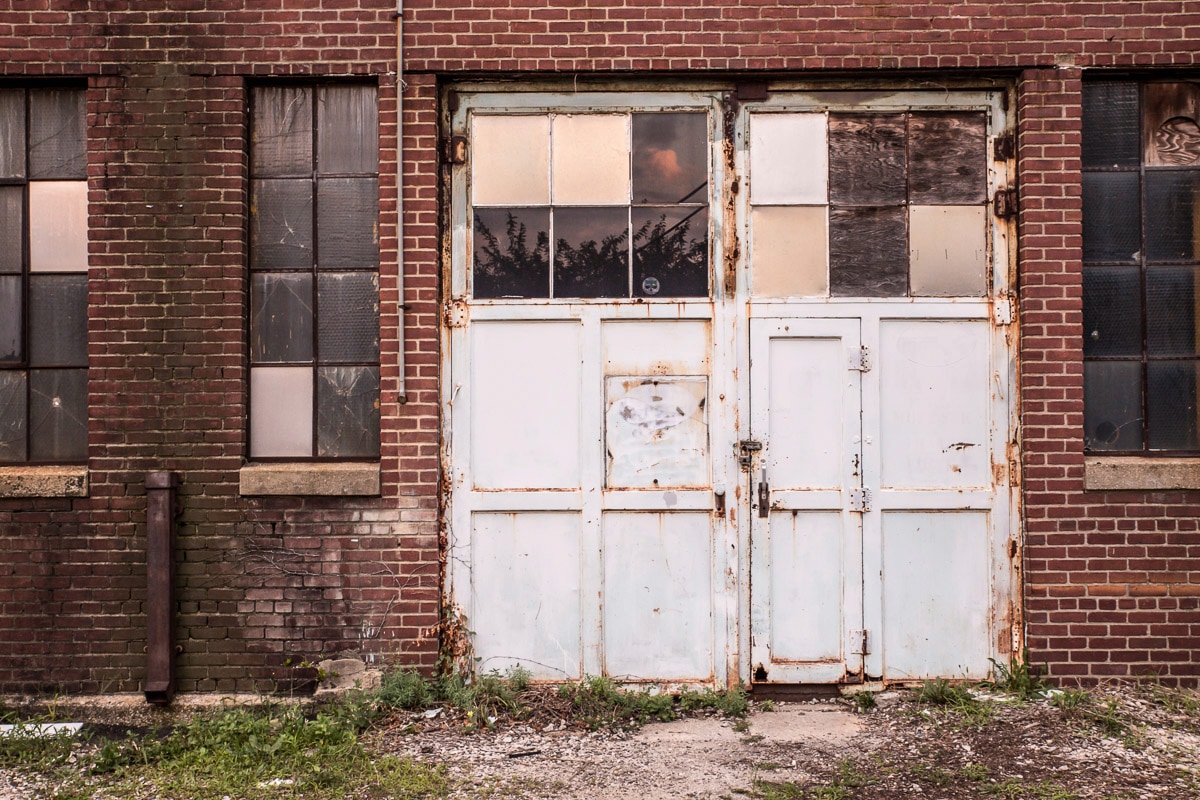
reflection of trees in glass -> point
(509, 266)
(592, 270)
(664, 248)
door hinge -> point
(456, 314)
(454, 150)
(1004, 203)
(1004, 147)
(860, 360)
(860, 499)
(1002, 311)
(860, 643)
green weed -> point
(1018, 678)
(598, 703)
(940, 692)
(864, 701)
(730, 702)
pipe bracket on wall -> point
(160, 586)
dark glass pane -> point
(12, 133)
(57, 143)
(591, 252)
(511, 252)
(348, 317)
(348, 412)
(282, 131)
(1111, 216)
(1172, 202)
(58, 320)
(866, 159)
(347, 223)
(1171, 405)
(281, 224)
(347, 130)
(58, 414)
(1171, 304)
(12, 227)
(1112, 405)
(670, 252)
(947, 157)
(670, 158)
(11, 318)
(13, 417)
(1110, 124)
(868, 252)
(1112, 311)
(281, 323)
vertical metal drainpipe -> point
(400, 308)
(160, 586)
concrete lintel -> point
(311, 479)
(39, 481)
(1116, 473)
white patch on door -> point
(656, 432)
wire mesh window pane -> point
(511, 252)
(348, 135)
(283, 134)
(1171, 405)
(57, 140)
(281, 229)
(12, 133)
(13, 416)
(348, 412)
(12, 227)
(1112, 311)
(1111, 216)
(1172, 203)
(1112, 405)
(347, 223)
(1171, 311)
(58, 320)
(58, 414)
(12, 319)
(348, 303)
(1110, 125)
(281, 318)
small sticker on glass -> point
(651, 286)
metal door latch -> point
(746, 450)
(764, 496)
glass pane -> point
(1110, 124)
(347, 130)
(12, 133)
(1111, 216)
(57, 143)
(347, 222)
(282, 130)
(1171, 311)
(670, 158)
(947, 158)
(281, 406)
(511, 257)
(510, 160)
(281, 324)
(348, 412)
(58, 228)
(1171, 405)
(591, 252)
(868, 252)
(788, 253)
(348, 317)
(1112, 311)
(1172, 202)
(866, 159)
(12, 227)
(281, 224)
(12, 415)
(58, 414)
(1171, 133)
(11, 318)
(948, 250)
(789, 159)
(590, 159)
(670, 252)
(1112, 405)
(58, 320)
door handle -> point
(764, 496)
(719, 500)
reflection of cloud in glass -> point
(670, 157)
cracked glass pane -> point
(348, 327)
(1111, 221)
(866, 159)
(58, 320)
(1171, 405)
(1112, 311)
(670, 251)
(347, 223)
(347, 130)
(1110, 124)
(511, 256)
(1172, 203)
(12, 416)
(12, 227)
(12, 133)
(281, 234)
(281, 323)
(282, 130)
(348, 412)
(1171, 311)
(591, 252)
(58, 414)
(670, 158)
(10, 319)
(1112, 405)
(868, 252)
(947, 158)
(57, 143)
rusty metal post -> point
(160, 586)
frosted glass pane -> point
(281, 421)
(510, 160)
(789, 253)
(948, 250)
(58, 226)
(591, 159)
(789, 159)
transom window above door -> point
(590, 205)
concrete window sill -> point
(34, 481)
(1115, 473)
(310, 480)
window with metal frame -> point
(43, 276)
(1141, 255)
(314, 272)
